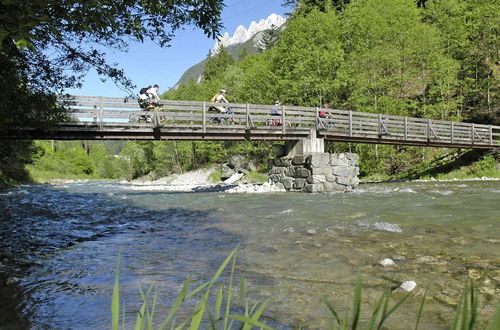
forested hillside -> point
(434, 59)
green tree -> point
(217, 63)
(269, 38)
(47, 46)
(396, 63)
(470, 32)
(307, 57)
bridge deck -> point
(118, 118)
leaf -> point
(197, 316)
(115, 301)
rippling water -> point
(62, 243)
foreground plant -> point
(219, 316)
(215, 317)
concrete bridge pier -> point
(304, 166)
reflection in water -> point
(62, 243)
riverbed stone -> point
(226, 172)
(283, 161)
(277, 170)
(343, 181)
(336, 161)
(302, 172)
(313, 188)
(318, 178)
(287, 182)
(299, 183)
(299, 159)
(320, 160)
(387, 263)
(342, 171)
(408, 286)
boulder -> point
(226, 172)
(238, 163)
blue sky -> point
(147, 63)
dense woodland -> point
(434, 59)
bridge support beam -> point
(305, 167)
(309, 145)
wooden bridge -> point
(122, 119)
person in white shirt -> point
(147, 95)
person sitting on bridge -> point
(219, 98)
(147, 96)
(276, 112)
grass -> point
(216, 303)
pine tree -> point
(217, 63)
(268, 38)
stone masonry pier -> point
(304, 166)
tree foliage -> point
(47, 46)
(217, 63)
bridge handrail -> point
(339, 124)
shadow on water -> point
(59, 248)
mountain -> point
(242, 41)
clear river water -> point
(59, 246)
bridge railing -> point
(390, 127)
(188, 114)
(195, 116)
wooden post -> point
(203, 117)
(101, 112)
(350, 122)
(491, 135)
(248, 116)
(405, 133)
(428, 129)
(452, 131)
(379, 125)
(283, 123)
(472, 134)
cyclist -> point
(276, 112)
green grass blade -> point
(197, 316)
(473, 306)
(139, 320)
(218, 302)
(495, 323)
(243, 291)
(181, 326)
(380, 302)
(465, 308)
(421, 307)
(229, 294)
(153, 308)
(356, 309)
(386, 315)
(257, 314)
(177, 304)
(249, 321)
(115, 300)
(330, 308)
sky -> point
(148, 64)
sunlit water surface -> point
(62, 243)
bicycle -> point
(220, 120)
(276, 122)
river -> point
(60, 243)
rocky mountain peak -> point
(242, 34)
